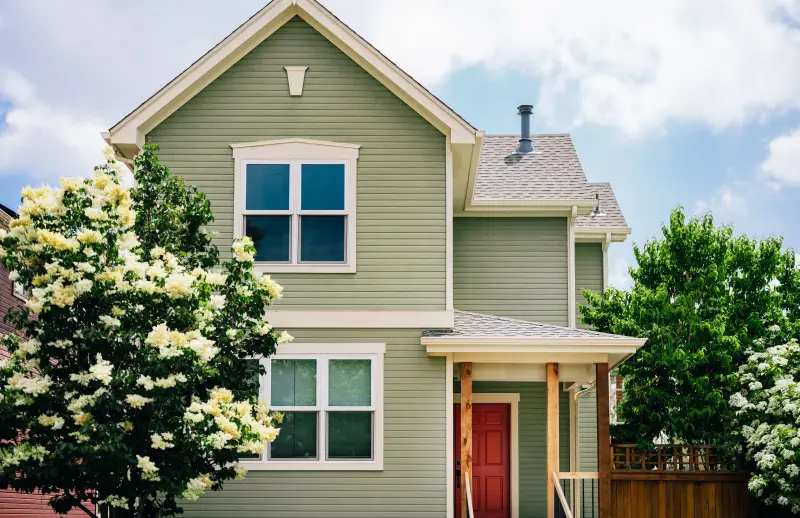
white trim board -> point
(572, 306)
(533, 344)
(128, 134)
(601, 234)
(355, 319)
(529, 372)
(511, 399)
(547, 207)
(449, 443)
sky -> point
(676, 103)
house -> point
(12, 503)
(432, 275)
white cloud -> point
(618, 275)
(782, 166)
(41, 140)
(625, 64)
(628, 64)
(726, 201)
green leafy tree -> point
(701, 296)
(127, 389)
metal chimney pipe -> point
(525, 142)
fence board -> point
(651, 497)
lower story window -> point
(332, 406)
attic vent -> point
(525, 143)
(598, 210)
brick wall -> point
(13, 504)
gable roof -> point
(128, 134)
(469, 325)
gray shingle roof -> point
(477, 325)
(608, 203)
(552, 172)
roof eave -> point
(601, 234)
(584, 206)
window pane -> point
(350, 383)
(322, 187)
(322, 239)
(297, 438)
(271, 236)
(267, 187)
(294, 383)
(250, 371)
(349, 435)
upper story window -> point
(296, 200)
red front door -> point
(491, 494)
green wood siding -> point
(588, 272)
(413, 480)
(511, 267)
(587, 444)
(588, 275)
(532, 439)
(401, 170)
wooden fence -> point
(676, 481)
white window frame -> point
(323, 353)
(296, 152)
(18, 291)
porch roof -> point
(488, 338)
(478, 325)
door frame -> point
(512, 400)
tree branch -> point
(142, 501)
(80, 505)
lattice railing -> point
(668, 457)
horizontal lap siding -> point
(413, 480)
(532, 439)
(588, 272)
(400, 246)
(587, 447)
(511, 267)
(589, 276)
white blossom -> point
(196, 487)
(137, 401)
(161, 441)
(115, 501)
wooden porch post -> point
(553, 394)
(466, 432)
(603, 440)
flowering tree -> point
(127, 389)
(767, 411)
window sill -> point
(372, 465)
(305, 268)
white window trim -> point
(18, 291)
(374, 352)
(296, 152)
